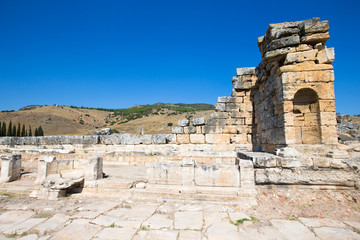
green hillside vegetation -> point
(128, 114)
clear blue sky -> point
(115, 54)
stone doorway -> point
(306, 117)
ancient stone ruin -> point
(287, 100)
(277, 128)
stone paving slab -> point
(116, 233)
(188, 220)
(175, 220)
(160, 235)
(24, 226)
(159, 221)
(293, 230)
(55, 222)
(219, 231)
(320, 222)
(139, 213)
(263, 233)
(79, 229)
(215, 217)
(325, 233)
(11, 218)
(105, 221)
(186, 235)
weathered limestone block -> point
(230, 130)
(305, 177)
(220, 107)
(296, 162)
(159, 138)
(130, 139)
(287, 152)
(219, 115)
(301, 56)
(327, 105)
(10, 168)
(338, 154)
(217, 176)
(146, 139)
(212, 129)
(247, 175)
(216, 122)
(240, 85)
(315, 38)
(189, 130)
(170, 138)
(260, 159)
(226, 100)
(183, 122)
(94, 168)
(277, 32)
(321, 162)
(105, 131)
(217, 138)
(326, 55)
(44, 168)
(245, 71)
(198, 121)
(197, 138)
(200, 129)
(329, 135)
(170, 174)
(314, 26)
(177, 130)
(278, 53)
(328, 118)
(183, 138)
(304, 66)
(284, 42)
(239, 138)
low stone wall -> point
(321, 171)
(114, 139)
(50, 140)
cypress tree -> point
(30, 133)
(36, 132)
(26, 133)
(14, 131)
(3, 129)
(23, 132)
(18, 130)
(40, 131)
(9, 131)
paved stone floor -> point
(110, 219)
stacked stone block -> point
(231, 123)
(294, 94)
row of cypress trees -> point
(13, 131)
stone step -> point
(145, 195)
(19, 187)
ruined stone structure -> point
(278, 127)
(286, 101)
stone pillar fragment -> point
(94, 168)
(10, 168)
(45, 165)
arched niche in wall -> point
(306, 117)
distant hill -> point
(64, 120)
(29, 107)
(200, 106)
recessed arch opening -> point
(306, 117)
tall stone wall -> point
(294, 95)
